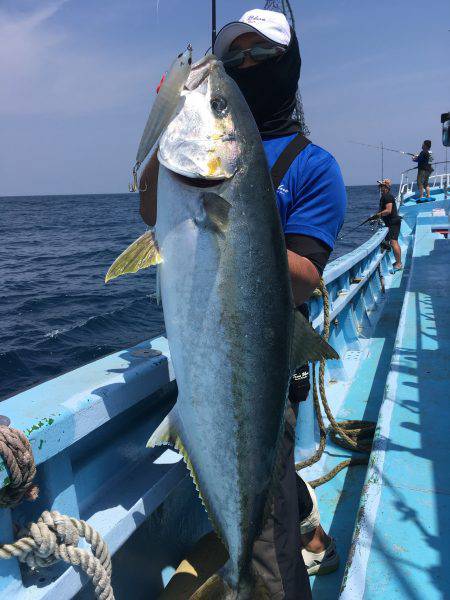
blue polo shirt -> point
(311, 197)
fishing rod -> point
(354, 228)
(213, 24)
(382, 148)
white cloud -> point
(45, 69)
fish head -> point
(202, 140)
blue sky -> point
(77, 79)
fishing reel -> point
(376, 224)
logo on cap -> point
(251, 18)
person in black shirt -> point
(388, 212)
(424, 168)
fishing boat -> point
(88, 430)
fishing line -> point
(382, 148)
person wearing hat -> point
(388, 212)
(261, 53)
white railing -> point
(408, 183)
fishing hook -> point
(134, 186)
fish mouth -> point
(194, 178)
(197, 182)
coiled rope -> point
(351, 434)
(15, 450)
(53, 537)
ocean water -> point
(56, 313)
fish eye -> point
(219, 105)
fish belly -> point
(228, 338)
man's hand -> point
(375, 217)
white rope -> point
(55, 537)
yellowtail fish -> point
(233, 333)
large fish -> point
(233, 333)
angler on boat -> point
(424, 162)
(388, 212)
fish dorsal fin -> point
(307, 345)
(141, 254)
(216, 209)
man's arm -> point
(304, 277)
(418, 158)
(386, 211)
(149, 183)
(307, 257)
(313, 220)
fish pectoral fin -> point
(216, 209)
(307, 344)
(141, 254)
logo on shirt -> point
(301, 376)
(282, 189)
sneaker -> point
(323, 562)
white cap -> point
(268, 23)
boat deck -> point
(362, 394)
(399, 549)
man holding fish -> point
(234, 341)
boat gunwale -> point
(44, 419)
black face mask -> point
(269, 89)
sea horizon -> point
(362, 185)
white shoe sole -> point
(324, 569)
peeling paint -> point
(39, 425)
